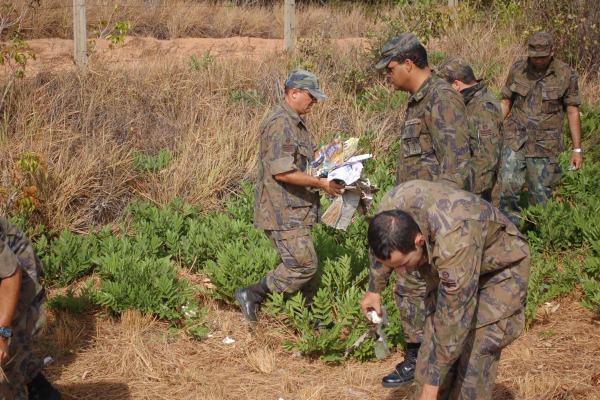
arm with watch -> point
(575, 128)
(9, 298)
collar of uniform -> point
(472, 91)
(423, 90)
(293, 114)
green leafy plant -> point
(149, 163)
(249, 98)
(74, 303)
(203, 63)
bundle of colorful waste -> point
(337, 161)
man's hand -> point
(4, 356)
(330, 187)
(429, 392)
(371, 301)
(576, 161)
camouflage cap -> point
(398, 45)
(301, 79)
(455, 68)
(540, 44)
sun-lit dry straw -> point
(137, 357)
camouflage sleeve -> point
(505, 92)
(486, 142)
(281, 144)
(379, 275)
(449, 124)
(8, 261)
(458, 261)
(572, 96)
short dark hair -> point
(287, 89)
(464, 75)
(392, 230)
(418, 56)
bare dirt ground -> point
(135, 357)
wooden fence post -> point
(79, 33)
(289, 25)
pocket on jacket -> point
(414, 142)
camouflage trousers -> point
(542, 172)
(23, 366)
(473, 374)
(298, 267)
(410, 293)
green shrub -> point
(70, 302)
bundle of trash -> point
(338, 161)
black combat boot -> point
(249, 298)
(40, 389)
(405, 371)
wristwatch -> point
(578, 151)
(5, 332)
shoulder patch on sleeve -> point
(288, 145)
(448, 279)
(484, 130)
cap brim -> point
(317, 93)
(384, 62)
(539, 53)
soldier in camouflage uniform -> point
(485, 123)
(537, 93)
(435, 147)
(476, 264)
(21, 318)
(286, 205)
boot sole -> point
(395, 385)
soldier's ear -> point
(420, 240)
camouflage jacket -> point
(435, 142)
(17, 252)
(285, 145)
(538, 109)
(477, 266)
(485, 134)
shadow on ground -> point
(99, 390)
(501, 392)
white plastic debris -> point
(228, 340)
(48, 360)
(373, 317)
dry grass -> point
(138, 357)
(168, 19)
(89, 127)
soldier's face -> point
(302, 101)
(400, 261)
(398, 74)
(541, 63)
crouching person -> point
(476, 264)
(21, 318)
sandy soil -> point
(58, 53)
